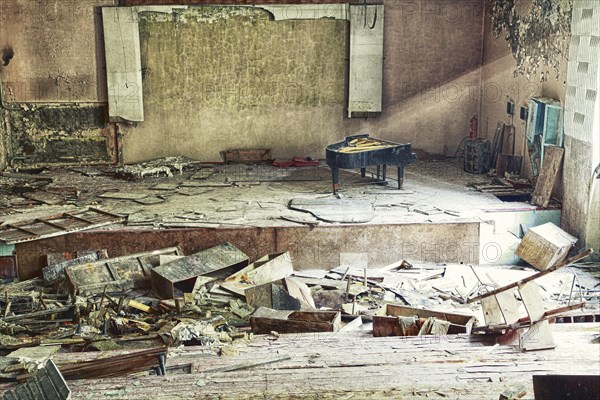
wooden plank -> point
(271, 295)
(491, 311)
(38, 228)
(508, 306)
(384, 326)
(543, 189)
(353, 325)
(405, 311)
(215, 262)
(269, 268)
(539, 335)
(112, 365)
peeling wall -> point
(66, 133)
(431, 77)
(217, 78)
(509, 74)
(55, 78)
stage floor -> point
(261, 196)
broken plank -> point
(121, 273)
(42, 228)
(269, 268)
(543, 189)
(265, 321)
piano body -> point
(361, 151)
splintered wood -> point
(533, 331)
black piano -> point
(360, 151)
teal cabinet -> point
(544, 128)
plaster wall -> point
(233, 78)
(53, 76)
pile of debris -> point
(142, 304)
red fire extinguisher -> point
(473, 126)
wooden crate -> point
(265, 320)
(388, 324)
(545, 245)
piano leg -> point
(335, 173)
(363, 172)
(400, 175)
(384, 171)
(378, 171)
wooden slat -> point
(21, 229)
(60, 224)
(49, 223)
(78, 218)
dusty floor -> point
(357, 366)
(197, 195)
(241, 195)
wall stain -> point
(537, 32)
(66, 133)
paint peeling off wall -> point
(59, 134)
(537, 33)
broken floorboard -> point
(334, 366)
(57, 225)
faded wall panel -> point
(230, 77)
(504, 79)
(60, 133)
(123, 65)
(366, 59)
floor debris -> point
(117, 317)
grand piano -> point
(361, 151)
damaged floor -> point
(179, 193)
(249, 195)
(219, 323)
(213, 325)
(357, 366)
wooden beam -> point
(534, 276)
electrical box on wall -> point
(510, 107)
(523, 113)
